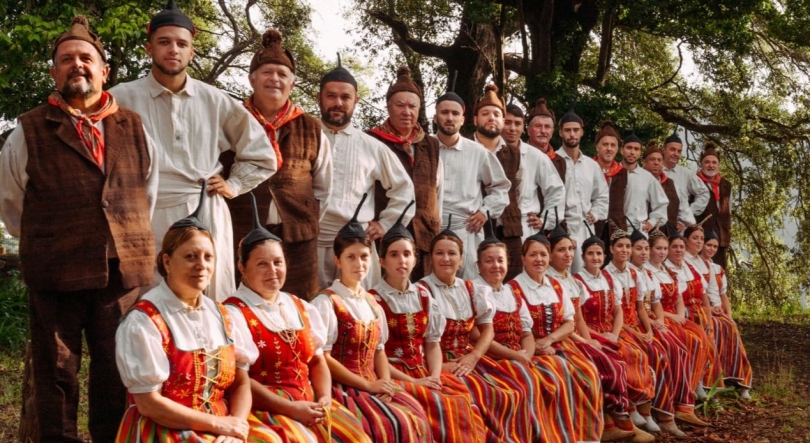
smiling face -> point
(606, 149)
(354, 262)
(535, 259)
(563, 255)
(512, 128)
(541, 129)
(399, 259)
(445, 258)
(631, 152)
(710, 165)
(659, 250)
(677, 248)
(694, 243)
(272, 83)
(593, 258)
(171, 49)
(710, 249)
(266, 270)
(489, 121)
(78, 71)
(621, 250)
(672, 154)
(190, 266)
(492, 264)
(640, 253)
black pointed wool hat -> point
(259, 233)
(636, 235)
(447, 230)
(633, 138)
(339, 74)
(674, 137)
(170, 16)
(353, 229)
(451, 94)
(559, 231)
(591, 240)
(569, 117)
(490, 237)
(540, 236)
(398, 230)
(194, 218)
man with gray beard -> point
(358, 162)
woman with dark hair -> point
(543, 310)
(290, 381)
(697, 307)
(604, 315)
(355, 347)
(730, 349)
(181, 357)
(468, 311)
(415, 327)
(610, 369)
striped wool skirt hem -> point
(663, 401)
(401, 420)
(135, 428)
(340, 426)
(640, 380)
(731, 351)
(611, 369)
(450, 411)
(714, 374)
(587, 395)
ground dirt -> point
(779, 352)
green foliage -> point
(13, 313)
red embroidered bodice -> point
(406, 332)
(598, 309)
(508, 327)
(629, 310)
(455, 340)
(669, 292)
(357, 341)
(281, 366)
(198, 378)
(546, 318)
(693, 295)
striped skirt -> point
(659, 362)
(504, 411)
(401, 420)
(137, 428)
(714, 373)
(612, 376)
(340, 426)
(587, 395)
(730, 351)
(681, 364)
(640, 379)
(451, 413)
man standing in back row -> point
(192, 123)
(77, 185)
(689, 186)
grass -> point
(13, 312)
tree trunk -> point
(28, 431)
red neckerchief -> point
(288, 113)
(549, 152)
(88, 133)
(387, 132)
(614, 169)
(715, 182)
(663, 178)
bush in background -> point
(13, 312)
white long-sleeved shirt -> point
(544, 294)
(139, 355)
(642, 190)
(409, 302)
(710, 285)
(361, 307)
(358, 161)
(688, 184)
(454, 300)
(536, 175)
(14, 178)
(685, 214)
(467, 166)
(647, 284)
(191, 128)
(624, 279)
(598, 282)
(504, 300)
(586, 177)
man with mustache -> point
(584, 177)
(474, 181)
(192, 124)
(359, 161)
(534, 179)
(77, 185)
(690, 187)
(679, 215)
(719, 204)
(419, 155)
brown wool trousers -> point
(57, 321)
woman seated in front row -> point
(290, 381)
(182, 359)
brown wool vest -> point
(674, 202)
(510, 161)
(290, 187)
(617, 189)
(72, 209)
(720, 213)
(425, 223)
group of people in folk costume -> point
(392, 286)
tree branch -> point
(606, 46)
(402, 33)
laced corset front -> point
(546, 318)
(283, 363)
(406, 332)
(198, 378)
(356, 340)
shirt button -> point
(105, 203)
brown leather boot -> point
(690, 418)
(643, 437)
(616, 434)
